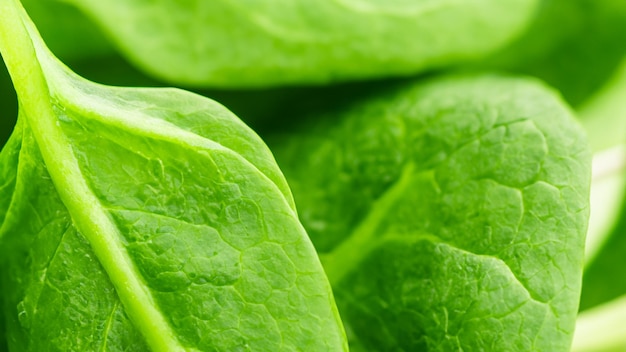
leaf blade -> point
(199, 226)
(228, 44)
(482, 247)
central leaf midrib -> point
(363, 240)
(19, 39)
(350, 253)
(94, 222)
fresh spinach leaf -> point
(449, 215)
(146, 218)
(259, 44)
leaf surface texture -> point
(138, 219)
(449, 215)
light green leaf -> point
(449, 215)
(258, 43)
(146, 219)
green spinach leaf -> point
(257, 43)
(449, 215)
(146, 218)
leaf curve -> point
(254, 43)
(450, 216)
(147, 219)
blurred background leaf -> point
(600, 326)
(604, 117)
(573, 45)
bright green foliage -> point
(146, 218)
(229, 43)
(449, 215)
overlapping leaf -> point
(449, 215)
(141, 218)
(259, 44)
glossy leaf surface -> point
(138, 219)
